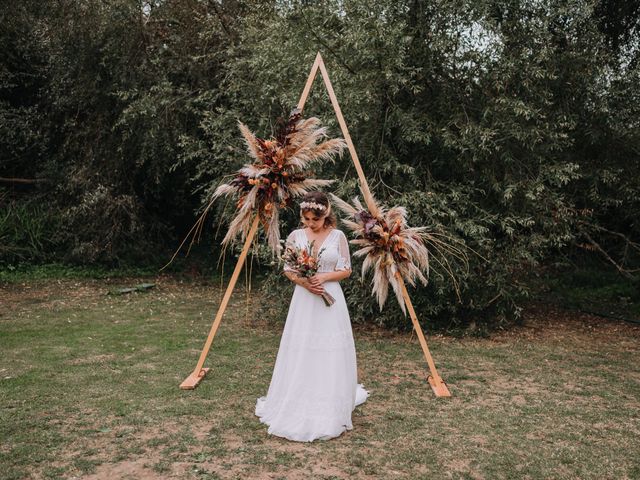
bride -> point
(314, 387)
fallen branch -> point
(23, 180)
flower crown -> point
(314, 205)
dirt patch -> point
(543, 322)
(133, 469)
(92, 360)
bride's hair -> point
(320, 198)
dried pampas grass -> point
(276, 176)
(392, 248)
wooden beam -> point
(198, 373)
(437, 384)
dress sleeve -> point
(344, 259)
(291, 240)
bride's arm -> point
(304, 282)
(334, 276)
(295, 278)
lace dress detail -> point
(336, 250)
(314, 388)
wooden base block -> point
(193, 380)
(439, 388)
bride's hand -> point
(317, 279)
(313, 287)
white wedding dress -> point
(314, 387)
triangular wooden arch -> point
(437, 384)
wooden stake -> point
(198, 374)
(193, 380)
(318, 64)
(436, 382)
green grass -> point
(27, 272)
(89, 384)
(195, 266)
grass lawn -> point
(89, 389)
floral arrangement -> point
(305, 263)
(392, 248)
(277, 175)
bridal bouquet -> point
(305, 264)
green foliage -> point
(588, 287)
(26, 231)
(476, 108)
(510, 126)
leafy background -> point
(512, 126)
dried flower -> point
(277, 175)
(391, 247)
(305, 264)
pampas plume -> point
(390, 247)
(278, 174)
